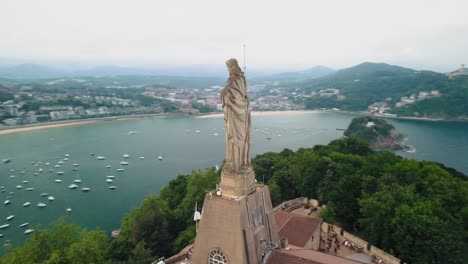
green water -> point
(181, 150)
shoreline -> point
(264, 113)
(66, 123)
(398, 117)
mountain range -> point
(39, 71)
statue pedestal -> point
(238, 184)
(239, 228)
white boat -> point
(67, 155)
(26, 204)
(85, 189)
(123, 163)
(69, 209)
(109, 180)
(65, 159)
(215, 134)
(29, 231)
(197, 131)
(160, 158)
(51, 170)
(100, 158)
(19, 186)
(29, 189)
(132, 132)
(23, 225)
(57, 166)
(112, 187)
(76, 165)
(60, 172)
(51, 198)
(111, 176)
(44, 194)
(12, 170)
(75, 169)
(60, 162)
(47, 164)
(4, 226)
(25, 181)
(22, 172)
(72, 186)
(120, 169)
(126, 156)
(77, 181)
(10, 217)
(40, 170)
(6, 202)
(58, 180)
(42, 205)
(142, 158)
(108, 166)
(12, 176)
(35, 174)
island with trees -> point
(380, 134)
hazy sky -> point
(422, 34)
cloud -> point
(289, 33)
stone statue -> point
(237, 117)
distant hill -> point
(29, 71)
(37, 71)
(296, 76)
(370, 70)
(368, 83)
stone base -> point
(238, 184)
(241, 228)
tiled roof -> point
(304, 256)
(297, 228)
(282, 219)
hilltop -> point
(380, 88)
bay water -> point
(184, 144)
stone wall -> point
(366, 247)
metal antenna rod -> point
(244, 58)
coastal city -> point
(50, 101)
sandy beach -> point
(67, 123)
(268, 113)
(45, 126)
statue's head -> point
(233, 66)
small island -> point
(378, 133)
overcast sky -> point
(422, 34)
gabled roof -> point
(297, 228)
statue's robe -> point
(237, 116)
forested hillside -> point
(405, 92)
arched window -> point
(217, 257)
